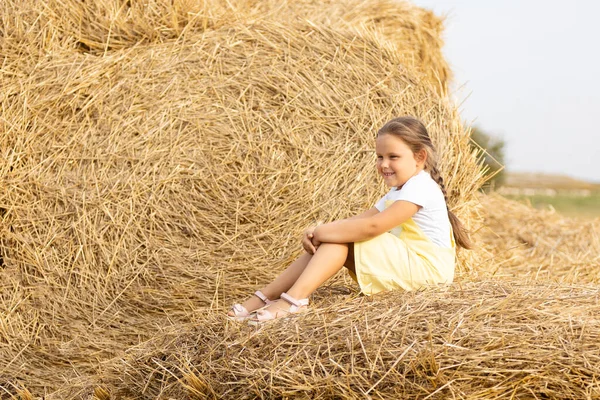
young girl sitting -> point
(407, 241)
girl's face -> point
(396, 162)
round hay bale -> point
(99, 27)
(146, 181)
(224, 149)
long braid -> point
(437, 177)
(460, 235)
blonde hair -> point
(415, 135)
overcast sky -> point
(531, 71)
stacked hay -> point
(163, 159)
(160, 160)
(527, 327)
(98, 27)
(537, 245)
(487, 340)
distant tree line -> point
(491, 150)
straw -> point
(160, 161)
(487, 339)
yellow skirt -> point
(387, 262)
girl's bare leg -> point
(329, 259)
(282, 283)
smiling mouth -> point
(388, 174)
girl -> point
(406, 241)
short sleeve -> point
(416, 191)
(420, 190)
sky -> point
(528, 71)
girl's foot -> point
(240, 312)
(280, 309)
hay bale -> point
(165, 170)
(100, 27)
(536, 245)
(486, 339)
(415, 33)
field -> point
(566, 204)
(568, 196)
(160, 160)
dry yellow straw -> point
(159, 161)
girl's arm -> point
(369, 213)
(308, 239)
(367, 225)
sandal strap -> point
(239, 311)
(293, 301)
(262, 296)
(264, 315)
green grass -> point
(566, 204)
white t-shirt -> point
(432, 217)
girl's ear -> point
(421, 156)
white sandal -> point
(240, 313)
(296, 306)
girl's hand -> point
(308, 239)
(315, 242)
